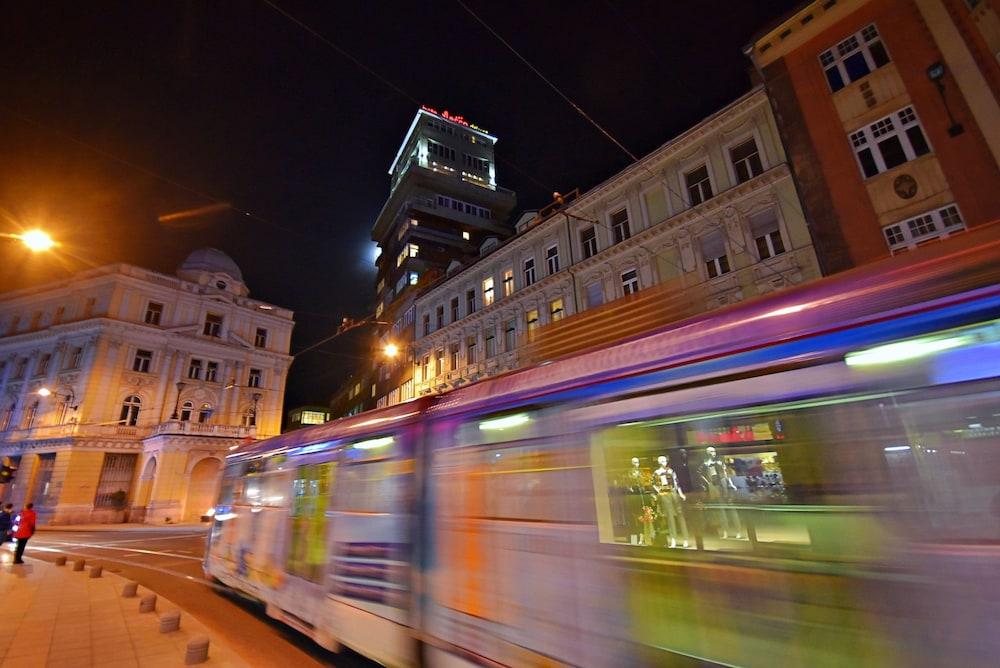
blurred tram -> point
(808, 478)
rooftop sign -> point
(453, 118)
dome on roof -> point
(212, 261)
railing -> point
(125, 431)
(203, 429)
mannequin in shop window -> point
(638, 504)
(670, 496)
(719, 488)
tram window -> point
(232, 485)
(268, 489)
(307, 540)
(373, 487)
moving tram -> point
(806, 478)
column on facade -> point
(75, 476)
(169, 486)
(94, 399)
(165, 392)
(58, 397)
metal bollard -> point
(147, 603)
(60, 561)
(79, 564)
(170, 621)
(130, 590)
(95, 571)
(197, 651)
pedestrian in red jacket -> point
(24, 528)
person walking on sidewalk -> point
(24, 528)
(6, 520)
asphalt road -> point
(167, 561)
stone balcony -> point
(120, 431)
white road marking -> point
(134, 550)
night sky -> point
(113, 114)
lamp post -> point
(177, 402)
(36, 240)
(67, 399)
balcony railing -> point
(203, 429)
(68, 430)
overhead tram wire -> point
(612, 139)
(145, 170)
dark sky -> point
(114, 113)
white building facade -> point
(122, 389)
(714, 208)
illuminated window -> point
(588, 242)
(453, 356)
(630, 282)
(552, 259)
(556, 310)
(531, 323)
(746, 160)
(713, 250)
(487, 292)
(412, 249)
(439, 362)
(194, 369)
(529, 271)
(936, 224)
(699, 185)
(619, 226)
(187, 408)
(854, 58)
(766, 235)
(413, 278)
(889, 142)
(313, 417)
(205, 413)
(142, 361)
(425, 368)
(154, 313)
(466, 236)
(213, 325)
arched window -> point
(130, 411)
(249, 418)
(205, 412)
(186, 409)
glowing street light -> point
(391, 350)
(36, 240)
(44, 392)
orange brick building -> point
(888, 110)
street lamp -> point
(180, 387)
(67, 399)
(37, 240)
(391, 350)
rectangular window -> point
(454, 309)
(116, 478)
(425, 368)
(699, 185)
(487, 291)
(426, 324)
(552, 259)
(142, 361)
(508, 282)
(478, 164)
(439, 316)
(556, 310)
(43, 364)
(154, 313)
(458, 205)
(260, 338)
(620, 226)
(766, 234)
(212, 372)
(21, 369)
(440, 150)
(470, 302)
(470, 350)
(194, 369)
(595, 294)
(713, 250)
(588, 242)
(889, 142)
(509, 336)
(75, 358)
(630, 282)
(213, 325)
(854, 58)
(453, 356)
(746, 160)
(529, 271)
(936, 224)
(531, 322)
(491, 344)
(439, 362)
(254, 377)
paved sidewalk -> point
(54, 616)
(188, 526)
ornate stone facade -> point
(121, 390)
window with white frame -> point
(854, 58)
(439, 362)
(194, 369)
(766, 234)
(889, 142)
(630, 282)
(425, 368)
(935, 224)
(552, 259)
(588, 242)
(213, 325)
(487, 291)
(440, 150)
(212, 372)
(476, 163)
(595, 294)
(186, 409)
(699, 185)
(556, 310)
(260, 338)
(746, 160)
(620, 226)
(491, 344)
(713, 250)
(129, 415)
(142, 361)
(471, 356)
(154, 313)
(254, 378)
(529, 271)
(508, 282)
(453, 356)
